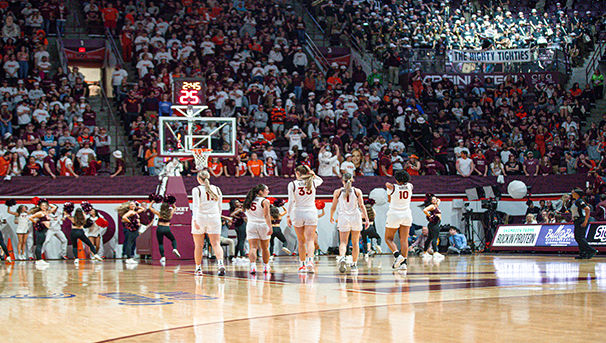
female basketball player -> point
(303, 215)
(434, 216)
(351, 210)
(258, 228)
(22, 231)
(399, 217)
(41, 219)
(77, 233)
(167, 210)
(207, 201)
(129, 213)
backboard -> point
(178, 135)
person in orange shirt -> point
(333, 81)
(269, 136)
(255, 166)
(215, 167)
(110, 17)
(5, 162)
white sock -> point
(309, 259)
(302, 263)
(354, 263)
(265, 265)
(198, 267)
(220, 262)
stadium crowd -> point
(344, 119)
(396, 28)
(47, 126)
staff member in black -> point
(580, 216)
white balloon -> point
(379, 195)
(517, 189)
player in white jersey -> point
(303, 215)
(351, 210)
(399, 217)
(258, 226)
(207, 201)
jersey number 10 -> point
(403, 194)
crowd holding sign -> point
(490, 56)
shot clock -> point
(189, 91)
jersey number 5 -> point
(253, 207)
(302, 191)
(403, 194)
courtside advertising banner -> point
(490, 56)
(517, 236)
(546, 237)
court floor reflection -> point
(461, 298)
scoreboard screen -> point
(189, 91)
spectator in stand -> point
(255, 166)
(464, 165)
(480, 165)
(120, 166)
(347, 166)
(530, 165)
(513, 167)
(215, 167)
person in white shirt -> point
(40, 114)
(163, 54)
(275, 54)
(118, 75)
(303, 215)
(350, 106)
(399, 217)
(351, 210)
(375, 147)
(40, 53)
(206, 208)
(141, 41)
(85, 155)
(327, 161)
(271, 66)
(207, 46)
(258, 227)
(347, 166)
(158, 41)
(464, 165)
(295, 137)
(460, 148)
(396, 145)
(144, 65)
(39, 155)
(11, 67)
(300, 59)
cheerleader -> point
(399, 217)
(167, 210)
(207, 201)
(434, 216)
(94, 231)
(276, 218)
(41, 219)
(303, 215)
(129, 212)
(21, 216)
(258, 228)
(77, 233)
(54, 230)
(351, 210)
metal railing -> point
(61, 51)
(594, 61)
(115, 134)
(312, 48)
(114, 47)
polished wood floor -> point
(483, 298)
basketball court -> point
(473, 298)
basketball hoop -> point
(201, 157)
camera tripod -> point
(469, 216)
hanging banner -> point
(489, 56)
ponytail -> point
(251, 195)
(347, 178)
(305, 175)
(204, 176)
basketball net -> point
(201, 158)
